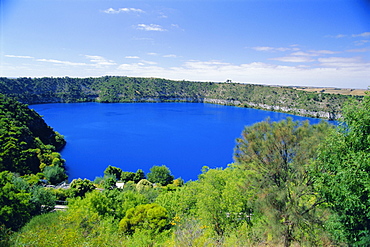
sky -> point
(323, 43)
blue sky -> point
(275, 42)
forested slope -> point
(131, 89)
(27, 143)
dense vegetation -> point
(27, 144)
(129, 89)
(292, 184)
(27, 148)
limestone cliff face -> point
(285, 109)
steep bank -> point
(27, 143)
(132, 89)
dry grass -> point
(331, 90)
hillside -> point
(27, 143)
(131, 89)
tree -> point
(277, 158)
(114, 171)
(342, 175)
(43, 200)
(81, 187)
(127, 176)
(139, 175)
(55, 174)
(120, 202)
(15, 201)
(109, 182)
(160, 174)
(221, 202)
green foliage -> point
(15, 201)
(127, 176)
(26, 142)
(277, 157)
(150, 217)
(113, 171)
(19, 202)
(221, 203)
(192, 233)
(342, 175)
(71, 228)
(123, 176)
(5, 236)
(43, 200)
(160, 175)
(139, 175)
(109, 182)
(81, 186)
(144, 185)
(55, 174)
(179, 203)
(122, 201)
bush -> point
(81, 187)
(151, 217)
(55, 174)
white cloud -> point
(301, 53)
(323, 52)
(263, 48)
(15, 56)
(148, 62)
(338, 36)
(170, 55)
(361, 42)
(359, 50)
(365, 34)
(260, 73)
(122, 10)
(61, 62)
(97, 61)
(344, 62)
(132, 57)
(100, 61)
(150, 27)
(292, 59)
(152, 54)
(274, 49)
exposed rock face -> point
(285, 109)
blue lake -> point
(183, 136)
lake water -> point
(183, 136)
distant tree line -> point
(134, 89)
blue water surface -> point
(183, 136)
